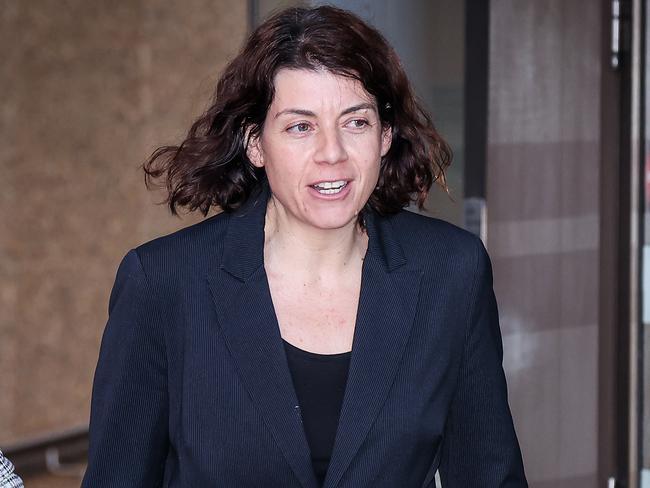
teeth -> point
(330, 184)
(330, 187)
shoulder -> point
(443, 252)
(181, 253)
(185, 242)
(429, 240)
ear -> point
(253, 149)
(386, 140)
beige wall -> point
(88, 90)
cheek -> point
(373, 164)
(285, 175)
(370, 177)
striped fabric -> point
(8, 479)
(193, 388)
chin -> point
(333, 215)
(331, 222)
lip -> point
(336, 196)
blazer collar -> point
(387, 305)
(243, 251)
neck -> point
(302, 248)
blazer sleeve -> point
(480, 447)
(129, 408)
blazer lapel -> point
(387, 304)
(389, 292)
(247, 319)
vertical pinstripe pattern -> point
(193, 387)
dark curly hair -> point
(211, 168)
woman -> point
(314, 333)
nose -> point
(330, 148)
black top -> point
(319, 381)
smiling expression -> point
(321, 146)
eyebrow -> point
(309, 113)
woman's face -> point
(321, 146)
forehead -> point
(301, 88)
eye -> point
(358, 123)
(299, 128)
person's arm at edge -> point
(8, 479)
(480, 447)
(129, 410)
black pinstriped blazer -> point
(192, 388)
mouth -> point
(330, 187)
